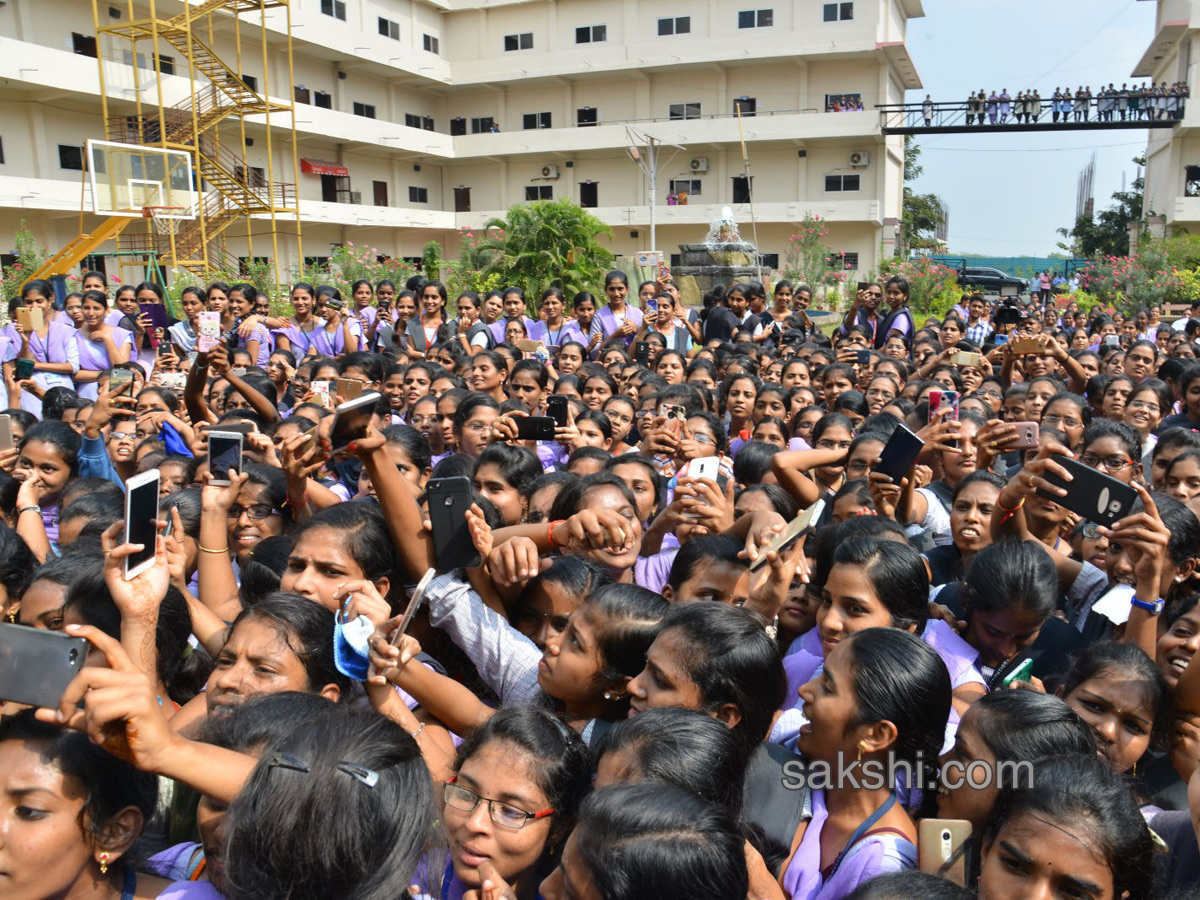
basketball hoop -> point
(163, 219)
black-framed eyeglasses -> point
(1112, 463)
(503, 814)
(257, 513)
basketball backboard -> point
(128, 178)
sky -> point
(1008, 193)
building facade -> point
(1173, 154)
(418, 118)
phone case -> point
(1027, 435)
(1093, 495)
(943, 848)
(556, 408)
(899, 454)
(535, 428)
(36, 666)
(209, 335)
(449, 499)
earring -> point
(11, 618)
(104, 863)
(860, 750)
(609, 695)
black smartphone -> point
(351, 420)
(24, 369)
(863, 285)
(36, 666)
(899, 454)
(224, 455)
(641, 353)
(164, 348)
(556, 408)
(1091, 494)
(862, 357)
(535, 428)
(448, 500)
(141, 520)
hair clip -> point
(283, 761)
(362, 774)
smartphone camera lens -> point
(73, 656)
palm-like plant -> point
(547, 243)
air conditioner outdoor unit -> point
(860, 158)
(698, 164)
(356, 197)
(550, 172)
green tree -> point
(1107, 232)
(431, 261)
(548, 243)
(922, 212)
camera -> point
(1007, 312)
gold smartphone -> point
(965, 358)
(31, 319)
(943, 847)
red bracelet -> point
(550, 533)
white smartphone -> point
(141, 521)
(705, 467)
(224, 455)
(414, 603)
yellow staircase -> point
(235, 192)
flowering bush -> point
(1145, 279)
(933, 288)
(809, 260)
(350, 263)
(30, 256)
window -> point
(482, 125)
(839, 12)
(846, 261)
(531, 121)
(1191, 180)
(418, 194)
(745, 106)
(431, 43)
(589, 194)
(425, 123)
(756, 18)
(335, 8)
(677, 25)
(458, 126)
(367, 110)
(843, 103)
(841, 183)
(741, 188)
(380, 191)
(684, 110)
(522, 41)
(2, 152)
(302, 94)
(462, 199)
(323, 100)
(689, 186)
(768, 260)
(245, 262)
(539, 192)
(70, 157)
(250, 81)
(166, 64)
(591, 34)
(316, 262)
(389, 29)
(83, 44)
(586, 116)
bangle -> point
(204, 549)
(550, 533)
(416, 734)
(1009, 512)
(25, 509)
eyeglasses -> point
(257, 513)
(503, 814)
(1064, 421)
(1142, 405)
(986, 392)
(478, 427)
(701, 438)
(361, 774)
(833, 445)
(1145, 360)
(123, 436)
(418, 421)
(1112, 463)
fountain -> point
(723, 258)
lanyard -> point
(859, 833)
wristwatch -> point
(25, 509)
(1154, 608)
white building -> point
(1173, 154)
(402, 95)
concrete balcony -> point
(702, 215)
(48, 194)
(1186, 211)
(783, 125)
(355, 215)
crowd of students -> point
(1110, 104)
(632, 694)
